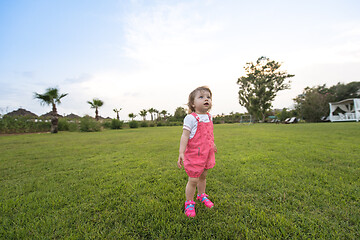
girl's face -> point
(202, 102)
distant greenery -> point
(88, 124)
(116, 124)
(271, 181)
(144, 124)
(230, 118)
(133, 124)
(68, 125)
(23, 125)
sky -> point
(141, 54)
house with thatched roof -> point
(49, 115)
(345, 110)
(21, 113)
(72, 116)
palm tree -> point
(151, 111)
(143, 113)
(96, 103)
(51, 96)
(132, 116)
(117, 112)
(157, 114)
(164, 112)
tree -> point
(157, 114)
(283, 114)
(151, 111)
(117, 113)
(343, 91)
(164, 113)
(313, 103)
(143, 114)
(132, 116)
(260, 85)
(96, 103)
(51, 96)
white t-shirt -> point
(190, 123)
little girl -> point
(197, 148)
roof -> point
(49, 114)
(71, 115)
(349, 100)
(21, 112)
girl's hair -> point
(192, 97)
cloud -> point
(169, 37)
(78, 79)
(131, 94)
(28, 74)
(25, 74)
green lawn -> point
(271, 181)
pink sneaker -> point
(203, 198)
(190, 208)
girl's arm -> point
(183, 143)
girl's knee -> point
(193, 181)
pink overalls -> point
(199, 153)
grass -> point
(296, 181)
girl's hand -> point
(183, 143)
(180, 161)
(215, 148)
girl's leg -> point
(201, 185)
(191, 188)
(201, 190)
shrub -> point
(159, 124)
(116, 124)
(175, 124)
(133, 124)
(144, 124)
(106, 124)
(89, 124)
(66, 125)
(63, 124)
(152, 124)
(42, 126)
(20, 124)
(73, 126)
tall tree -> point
(259, 87)
(53, 97)
(313, 103)
(343, 91)
(96, 103)
(117, 113)
(143, 114)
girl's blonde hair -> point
(192, 97)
